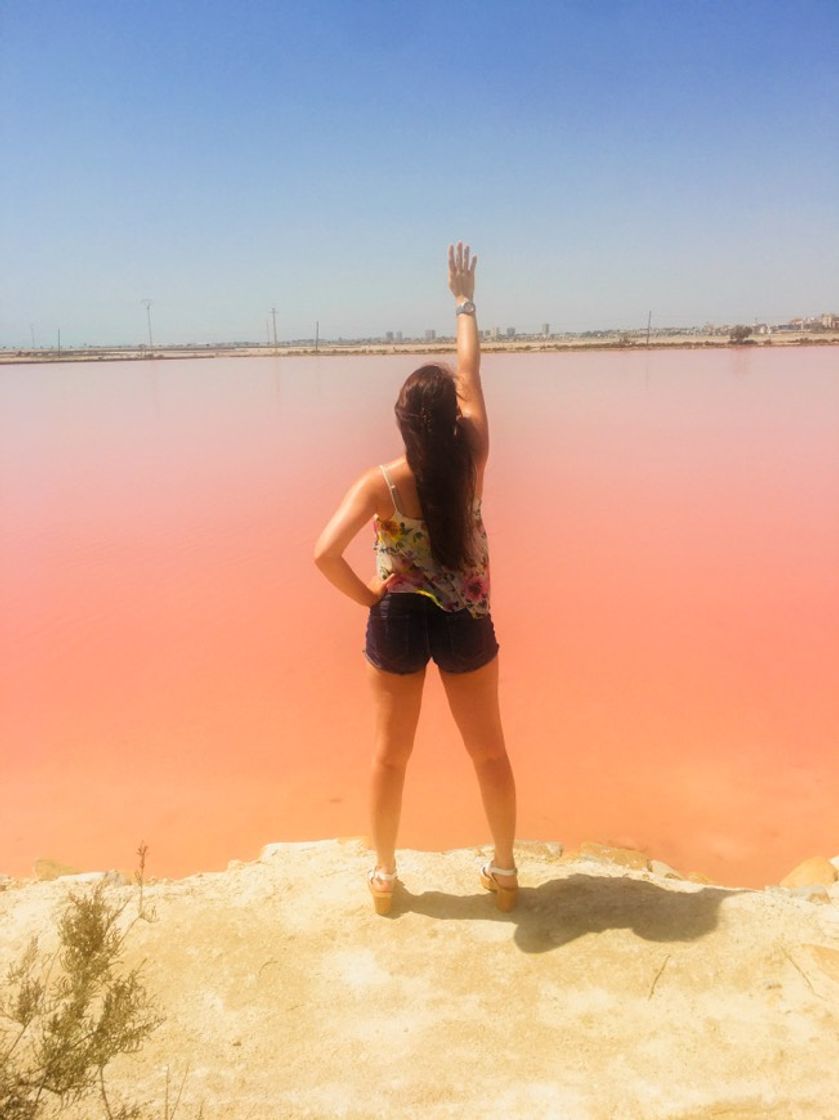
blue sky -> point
(602, 158)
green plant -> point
(58, 1035)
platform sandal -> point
(381, 899)
(505, 897)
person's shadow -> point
(560, 910)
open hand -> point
(461, 272)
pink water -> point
(664, 534)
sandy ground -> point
(611, 993)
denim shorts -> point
(404, 629)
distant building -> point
(511, 332)
(399, 336)
(388, 336)
(546, 329)
(496, 331)
(430, 335)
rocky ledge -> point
(617, 990)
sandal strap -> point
(375, 873)
(500, 870)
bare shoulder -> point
(367, 488)
(378, 488)
(374, 483)
(406, 485)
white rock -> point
(659, 867)
(806, 890)
(281, 847)
(85, 877)
(829, 918)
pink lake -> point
(664, 541)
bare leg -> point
(398, 698)
(473, 699)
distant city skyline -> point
(812, 323)
(601, 159)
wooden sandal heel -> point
(381, 899)
(505, 897)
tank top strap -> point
(393, 493)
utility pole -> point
(147, 302)
(274, 317)
(317, 335)
(649, 321)
(59, 341)
(32, 329)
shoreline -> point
(816, 877)
(443, 346)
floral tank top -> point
(403, 546)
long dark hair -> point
(441, 459)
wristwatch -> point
(466, 308)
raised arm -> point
(470, 391)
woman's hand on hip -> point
(461, 272)
(380, 587)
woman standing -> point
(430, 596)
